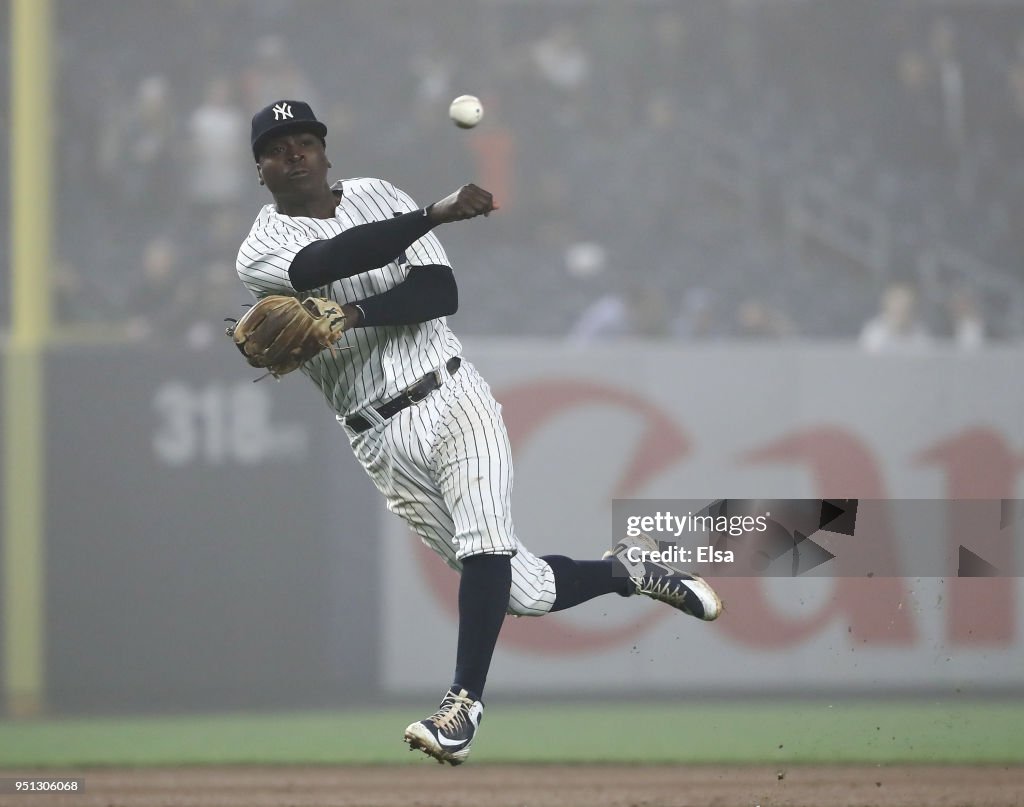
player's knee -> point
(525, 606)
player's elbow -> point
(435, 291)
(446, 290)
(451, 299)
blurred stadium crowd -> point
(706, 169)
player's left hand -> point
(467, 202)
(280, 333)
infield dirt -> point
(429, 785)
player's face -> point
(294, 164)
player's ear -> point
(259, 173)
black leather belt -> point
(414, 393)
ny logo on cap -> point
(283, 111)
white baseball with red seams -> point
(466, 111)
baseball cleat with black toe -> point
(686, 592)
(448, 734)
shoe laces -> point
(452, 714)
(663, 588)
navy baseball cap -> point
(281, 117)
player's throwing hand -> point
(467, 202)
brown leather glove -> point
(280, 334)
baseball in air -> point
(466, 111)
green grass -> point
(742, 732)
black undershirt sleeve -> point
(358, 249)
(428, 292)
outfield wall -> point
(750, 423)
(192, 537)
(211, 543)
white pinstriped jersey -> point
(444, 465)
(375, 364)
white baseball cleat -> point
(448, 734)
(686, 592)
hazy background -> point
(715, 216)
(674, 154)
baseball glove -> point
(280, 334)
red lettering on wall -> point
(527, 408)
(979, 464)
(661, 445)
(842, 468)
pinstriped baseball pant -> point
(445, 467)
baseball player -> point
(419, 417)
